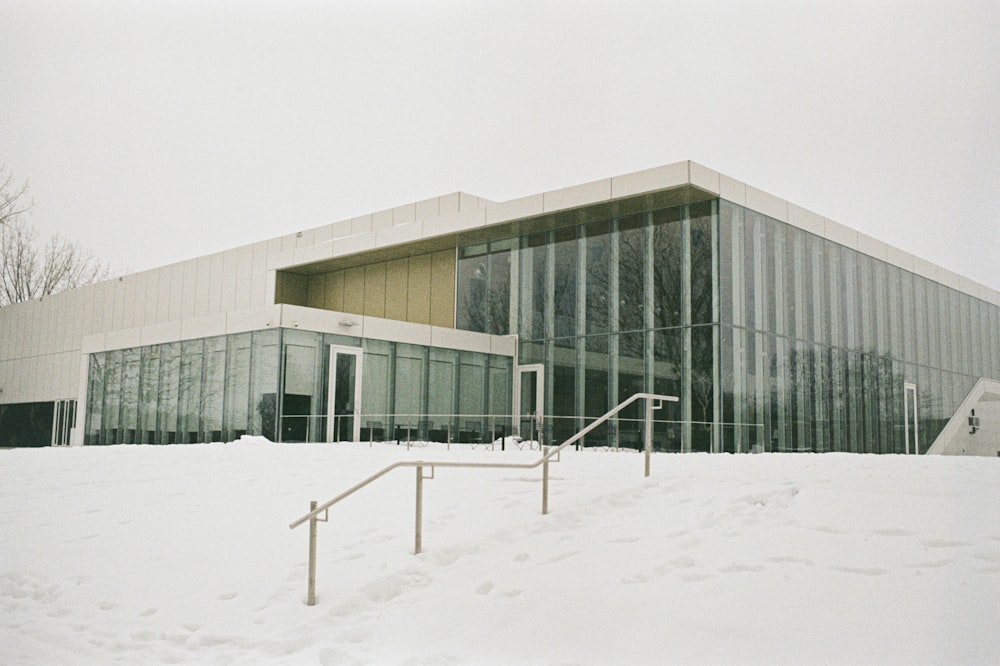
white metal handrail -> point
(313, 517)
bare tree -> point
(28, 271)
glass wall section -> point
(836, 334)
(112, 399)
(130, 396)
(236, 414)
(484, 287)
(596, 276)
(473, 277)
(306, 362)
(275, 383)
(96, 373)
(213, 389)
(377, 387)
(564, 251)
(631, 273)
(148, 396)
(266, 358)
(189, 392)
(443, 378)
(167, 393)
(562, 389)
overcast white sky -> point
(158, 131)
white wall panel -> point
(252, 320)
(305, 238)
(838, 233)
(649, 180)
(325, 233)
(259, 288)
(151, 297)
(361, 225)
(241, 280)
(448, 204)
(873, 247)
(339, 230)
(428, 208)
(733, 190)
(468, 201)
(93, 343)
(897, 257)
(6, 335)
(157, 334)
(403, 233)
(356, 243)
(189, 279)
(288, 242)
(311, 319)
(118, 299)
(768, 204)
(705, 178)
(123, 339)
(404, 214)
(108, 303)
(455, 222)
(230, 263)
(453, 338)
(806, 219)
(128, 298)
(382, 220)
(215, 284)
(396, 331)
(308, 255)
(203, 327)
(163, 294)
(578, 195)
(196, 291)
(175, 288)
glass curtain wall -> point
(617, 307)
(818, 339)
(276, 383)
(774, 339)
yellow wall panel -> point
(443, 289)
(396, 279)
(418, 293)
(335, 291)
(375, 290)
(354, 290)
(317, 291)
(291, 289)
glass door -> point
(911, 427)
(530, 400)
(344, 406)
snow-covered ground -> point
(182, 554)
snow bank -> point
(182, 554)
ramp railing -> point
(549, 454)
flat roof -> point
(460, 218)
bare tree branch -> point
(25, 273)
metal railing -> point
(313, 517)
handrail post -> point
(545, 482)
(311, 594)
(418, 529)
(649, 432)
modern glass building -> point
(460, 319)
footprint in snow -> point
(226, 596)
(484, 588)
